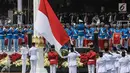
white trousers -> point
(23, 65)
(109, 71)
(53, 68)
(80, 41)
(33, 66)
(72, 69)
(91, 68)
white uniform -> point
(33, 59)
(72, 63)
(129, 61)
(115, 62)
(101, 65)
(109, 65)
(24, 52)
(123, 65)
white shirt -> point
(33, 53)
(123, 64)
(116, 58)
(108, 58)
(72, 58)
(24, 52)
(101, 65)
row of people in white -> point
(113, 62)
(33, 57)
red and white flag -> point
(48, 25)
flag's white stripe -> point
(44, 29)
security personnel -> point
(53, 58)
(2, 32)
(80, 27)
(9, 37)
(91, 57)
(15, 38)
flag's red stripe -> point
(57, 29)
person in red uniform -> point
(53, 58)
(91, 58)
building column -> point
(19, 8)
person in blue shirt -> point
(87, 33)
(125, 33)
(102, 32)
(9, 37)
(75, 36)
(2, 33)
(80, 27)
(92, 30)
(68, 30)
(118, 29)
(15, 38)
(111, 31)
(128, 30)
(22, 32)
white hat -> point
(80, 20)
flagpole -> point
(40, 63)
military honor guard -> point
(72, 63)
(116, 57)
(24, 52)
(101, 64)
(33, 58)
(91, 57)
(53, 58)
(109, 63)
(124, 63)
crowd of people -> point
(12, 36)
(90, 17)
(105, 61)
(81, 32)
